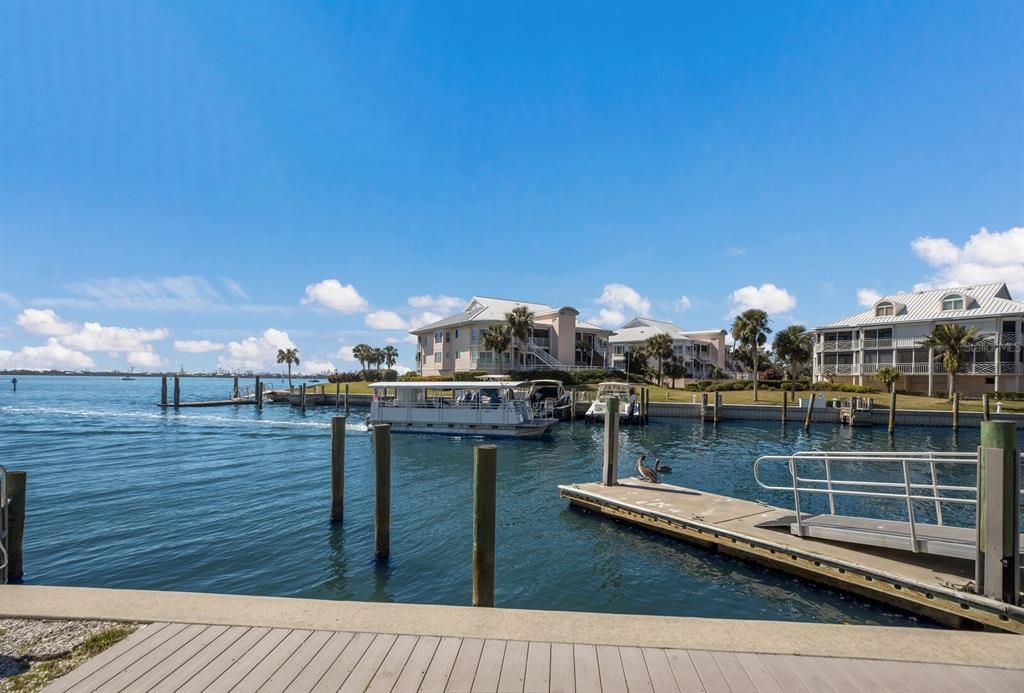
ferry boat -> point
(457, 408)
(629, 407)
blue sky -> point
(196, 183)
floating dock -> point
(210, 403)
(929, 585)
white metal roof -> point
(486, 309)
(640, 329)
(989, 300)
(448, 384)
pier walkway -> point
(220, 643)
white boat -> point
(547, 397)
(478, 408)
(629, 407)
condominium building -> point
(559, 340)
(700, 350)
(891, 332)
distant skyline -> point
(200, 184)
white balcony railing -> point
(987, 368)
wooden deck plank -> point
(711, 677)
(369, 663)
(464, 669)
(390, 669)
(178, 659)
(660, 671)
(759, 675)
(104, 658)
(588, 672)
(181, 675)
(440, 668)
(563, 675)
(211, 662)
(837, 671)
(236, 670)
(609, 665)
(992, 679)
(128, 674)
(345, 663)
(415, 668)
(287, 672)
(538, 667)
(310, 675)
(488, 670)
(127, 659)
(634, 668)
(809, 674)
(784, 673)
(513, 668)
(734, 673)
(272, 661)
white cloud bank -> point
(52, 355)
(255, 353)
(617, 299)
(332, 294)
(197, 346)
(683, 304)
(385, 320)
(442, 303)
(165, 293)
(767, 297)
(987, 257)
(868, 297)
(96, 337)
(45, 322)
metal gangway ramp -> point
(889, 484)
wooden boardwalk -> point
(179, 656)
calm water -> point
(227, 500)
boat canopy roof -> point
(543, 382)
(446, 385)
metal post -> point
(892, 409)
(337, 468)
(985, 416)
(17, 483)
(810, 408)
(610, 470)
(382, 485)
(997, 568)
(484, 478)
(956, 411)
(163, 391)
(177, 391)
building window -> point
(437, 337)
(883, 310)
(447, 337)
(437, 357)
(953, 302)
(456, 334)
(457, 353)
(619, 348)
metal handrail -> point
(905, 490)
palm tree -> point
(952, 342)
(496, 339)
(520, 324)
(659, 347)
(390, 354)
(888, 377)
(675, 368)
(794, 346)
(750, 330)
(288, 356)
(362, 353)
(377, 358)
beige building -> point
(559, 340)
(891, 331)
(700, 350)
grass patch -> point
(42, 673)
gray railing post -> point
(997, 567)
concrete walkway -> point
(219, 642)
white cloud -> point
(235, 288)
(330, 293)
(9, 300)
(620, 297)
(608, 318)
(735, 252)
(197, 346)
(683, 304)
(446, 304)
(392, 340)
(385, 320)
(314, 367)
(345, 354)
(767, 297)
(868, 297)
(144, 359)
(410, 339)
(255, 353)
(44, 322)
(96, 337)
(52, 355)
(402, 370)
(425, 318)
(986, 258)
(165, 293)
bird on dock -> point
(659, 467)
(646, 472)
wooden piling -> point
(259, 394)
(382, 487)
(485, 459)
(610, 469)
(346, 399)
(785, 408)
(337, 468)
(234, 389)
(177, 391)
(997, 567)
(703, 406)
(718, 406)
(810, 410)
(892, 410)
(163, 391)
(985, 415)
(302, 397)
(572, 404)
(337, 397)
(17, 483)
(956, 411)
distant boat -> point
(129, 376)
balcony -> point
(542, 342)
(986, 368)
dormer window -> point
(953, 302)
(885, 310)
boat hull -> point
(454, 429)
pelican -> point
(659, 467)
(646, 472)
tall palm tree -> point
(390, 354)
(362, 353)
(794, 346)
(496, 338)
(952, 343)
(675, 368)
(289, 357)
(659, 347)
(520, 324)
(750, 330)
(887, 376)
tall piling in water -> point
(956, 411)
(718, 406)
(785, 408)
(17, 488)
(892, 410)
(485, 459)
(985, 415)
(810, 411)
(163, 391)
(382, 490)
(302, 397)
(337, 396)
(610, 467)
(259, 394)
(346, 399)
(337, 468)
(177, 391)
(234, 389)
(703, 406)
(997, 567)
